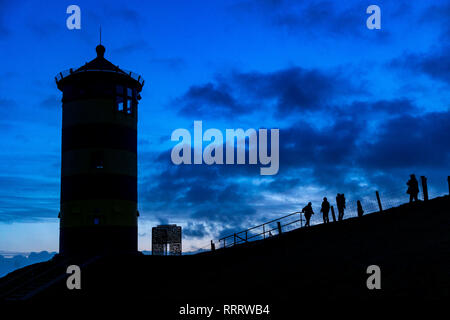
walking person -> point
(340, 202)
(413, 188)
(308, 211)
(359, 208)
(325, 209)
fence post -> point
(424, 188)
(246, 235)
(234, 239)
(448, 180)
(332, 213)
(279, 227)
(264, 231)
(379, 201)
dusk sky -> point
(358, 110)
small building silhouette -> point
(166, 240)
(98, 210)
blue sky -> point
(358, 109)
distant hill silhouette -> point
(410, 243)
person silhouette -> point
(340, 203)
(359, 208)
(308, 211)
(413, 188)
(213, 246)
(325, 209)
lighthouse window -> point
(130, 94)
(126, 100)
(119, 103)
(96, 221)
(129, 110)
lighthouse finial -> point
(100, 49)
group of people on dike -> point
(325, 209)
(413, 191)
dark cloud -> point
(435, 64)
(198, 190)
(365, 111)
(195, 230)
(210, 100)
(438, 13)
(295, 89)
(421, 141)
(200, 193)
(286, 91)
(399, 141)
(303, 145)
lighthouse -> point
(98, 208)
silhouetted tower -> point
(98, 209)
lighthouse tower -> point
(98, 211)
